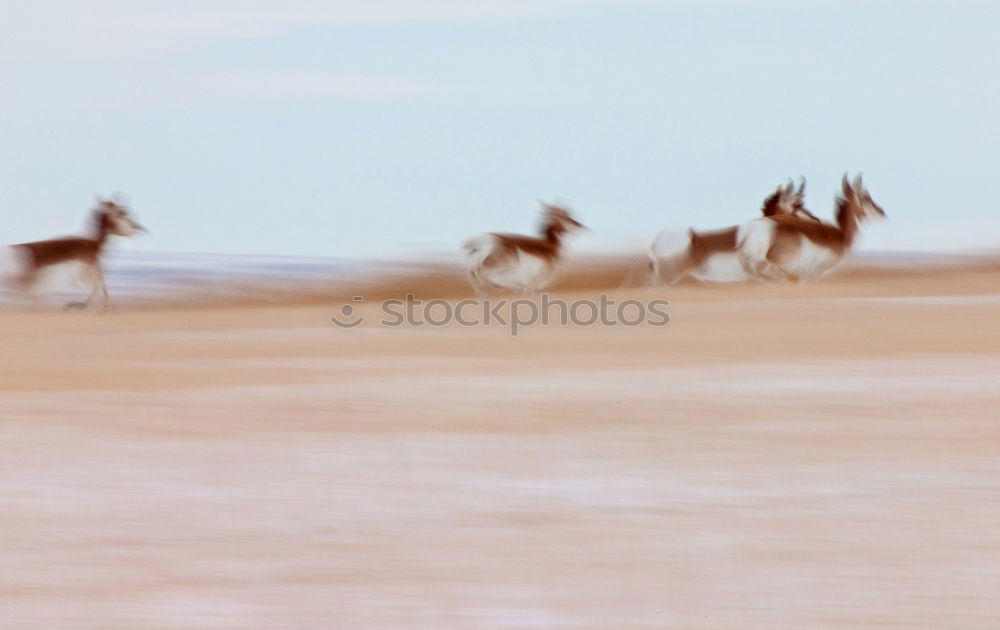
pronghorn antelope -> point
(22, 265)
(514, 261)
(784, 247)
(712, 256)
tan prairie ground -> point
(791, 457)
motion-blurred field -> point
(777, 457)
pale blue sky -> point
(372, 128)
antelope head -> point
(117, 216)
(860, 199)
(798, 202)
(786, 200)
(559, 219)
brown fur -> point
(772, 204)
(547, 246)
(107, 220)
(822, 234)
(837, 238)
(705, 244)
(60, 250)
(46, 253)
(510, 245)
(508, 248)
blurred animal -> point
(788, 247)
(516, 262)
(712, 256)
(22, 265)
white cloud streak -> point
(59, 28)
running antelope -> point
(786, 247)
(712, 256)
(22, 265)
(514, 261)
